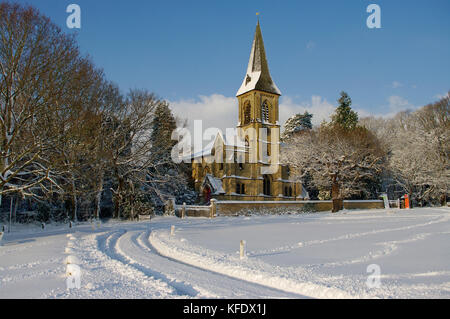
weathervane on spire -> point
(257, 14)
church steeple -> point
(258, 75)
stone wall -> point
(234, 208)
(231, 208)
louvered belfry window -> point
(265, 112)
(247, 113)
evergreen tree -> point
(297, 123)
(163, 125)
(344, 116)
(166, 178)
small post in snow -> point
(43, 226)
(242, 249)
(1, 237)
(183, 211)
(386, 201)
(213, 208)
(70, 224)
(172, 230)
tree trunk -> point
(15, 209)
(336, 195)
(10, 212)
(118, 196)
(74, 201)
(99, 198)
(443, 200)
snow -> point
(320, 255)
(215, 183)
(254, 78)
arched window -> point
(290, 191)
(265, 112)
(247, 113)
(238, 188)
(243, 189)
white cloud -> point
(440, 96)
(319, 107)
(219, 111)
(222, 112)
(396, 84)
(395, 105)
(398, 104)
(215, 111)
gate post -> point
(183, 211)
(213, 208)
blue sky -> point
(195, 52)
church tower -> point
(258, 99)
(254, 172)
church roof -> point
(258, 75)
(215, 183)
(227, 141)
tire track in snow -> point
(294, 280)
(300, 245)
(207, 284)
(389, 247)
(107, 245)
(106, 277)
(127, 244)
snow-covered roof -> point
(231, 141)
(215, 184)
(258, 75)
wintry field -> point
(291, 256)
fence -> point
(195, 211)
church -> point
(246, 166)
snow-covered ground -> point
(291, 256)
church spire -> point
(258, 75)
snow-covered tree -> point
(127, 145)
(343, 162)
(420, 152)
(168, 179)
(39, 68)
(297, 123)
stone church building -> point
(246, 167)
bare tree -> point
(127, 145)
(37, 65)
(78, 128)
(420, 153)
